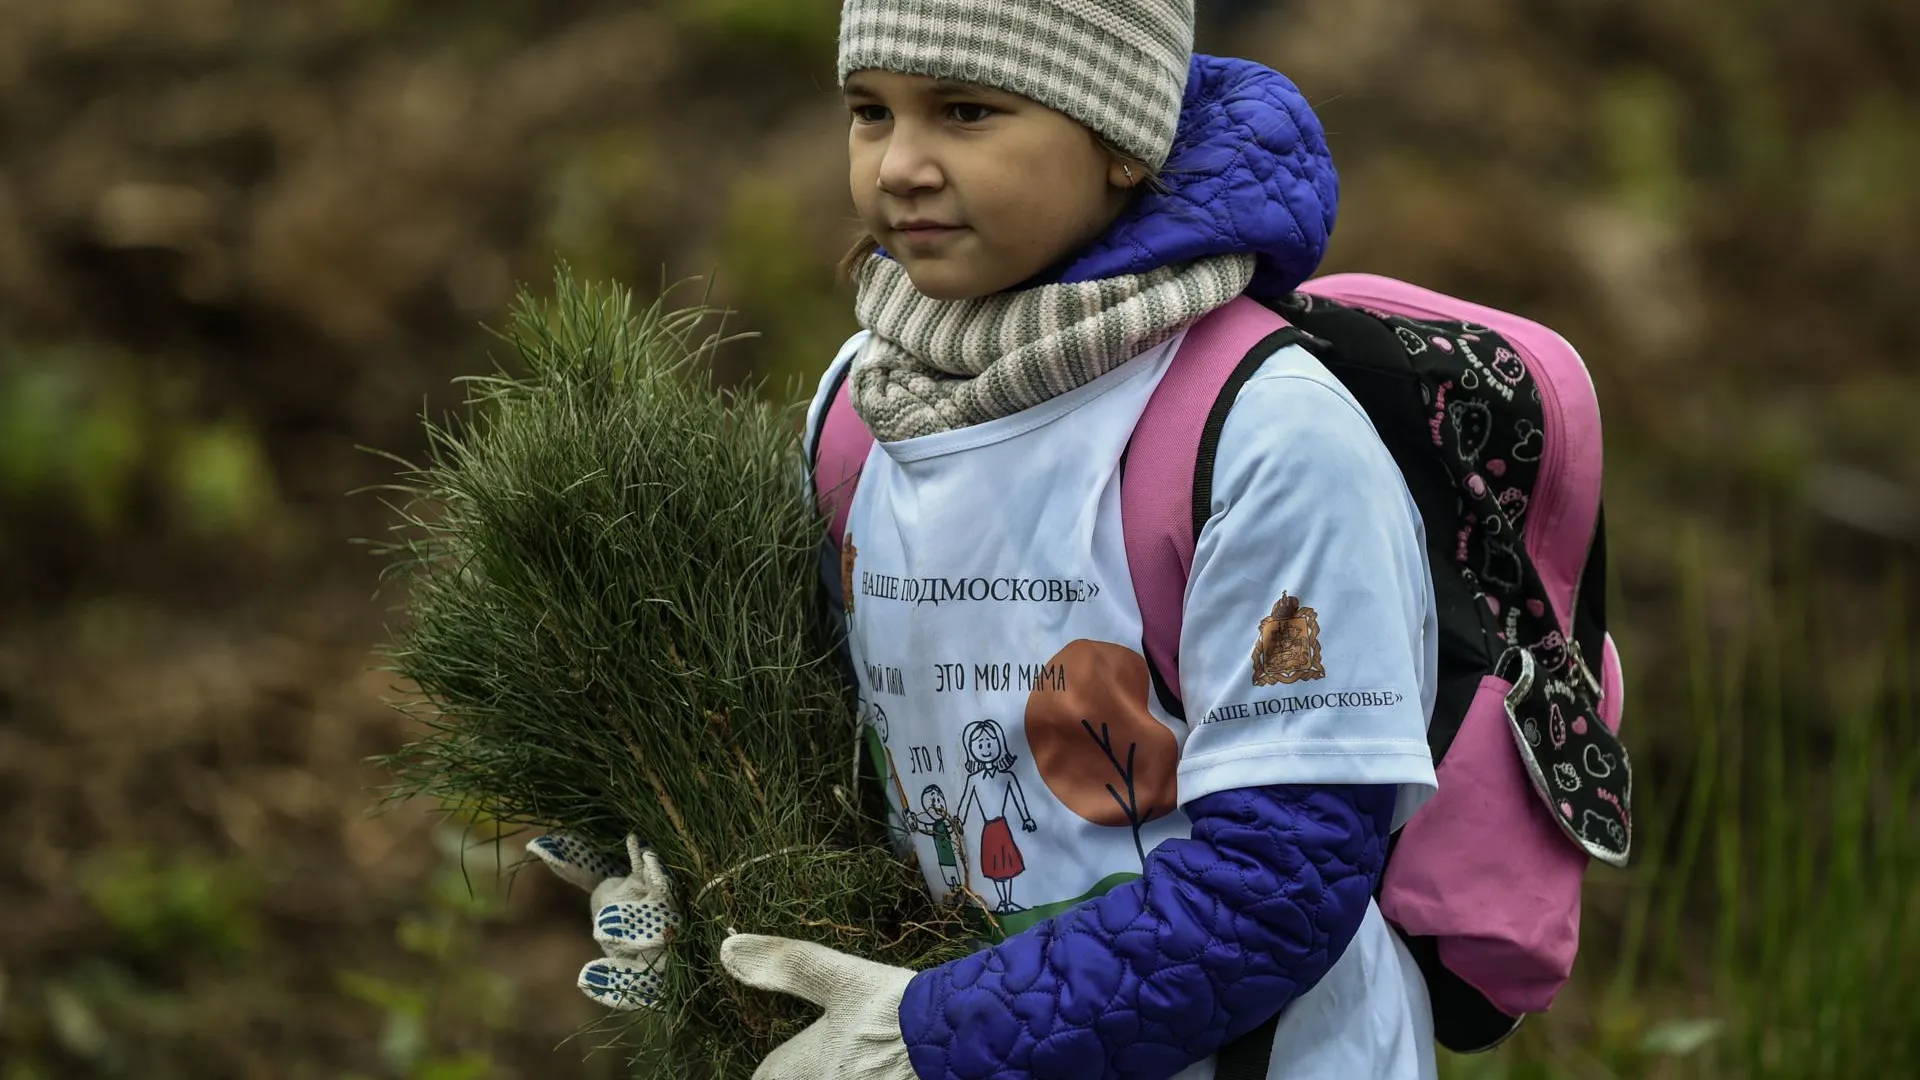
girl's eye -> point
(968, 113)
(870, 114)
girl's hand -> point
(858, 1035)
(1027, 824)
(633, 916)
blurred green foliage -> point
(803, 28)
(1639, 122)
(160, 903)
(94, 430)
(444, 1000)
(768, 264)
(435, 1004)
(1871, 158)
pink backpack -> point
(1496, 429)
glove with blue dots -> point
(633, 916)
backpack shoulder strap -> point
(1165, 488)
(840, 446)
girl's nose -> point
(909, 167)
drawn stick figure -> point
(937, 821)
(991, 788)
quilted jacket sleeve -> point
(1223, 931)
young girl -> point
(1054, 191)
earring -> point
(1127, 171)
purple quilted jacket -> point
(1227, 927)
(1222, 932)
(1249, 172)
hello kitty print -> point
(1486, 421)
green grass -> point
(1771, 929)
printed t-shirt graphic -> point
(1096, 743)
(937, 822)
(992, 621)
(1289, 646)
(993, 788)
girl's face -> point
(985, 745)
(974, 190)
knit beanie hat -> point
(1117, 66)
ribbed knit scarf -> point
(939, 365)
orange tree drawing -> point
(1094, 743)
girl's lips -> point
(928, 234)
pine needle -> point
(613, 625)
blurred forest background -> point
(240, 237)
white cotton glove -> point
(633, 916)
(859, 1036)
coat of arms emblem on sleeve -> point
(1288, 649)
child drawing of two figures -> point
(991, 786)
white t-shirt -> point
(994, 630)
